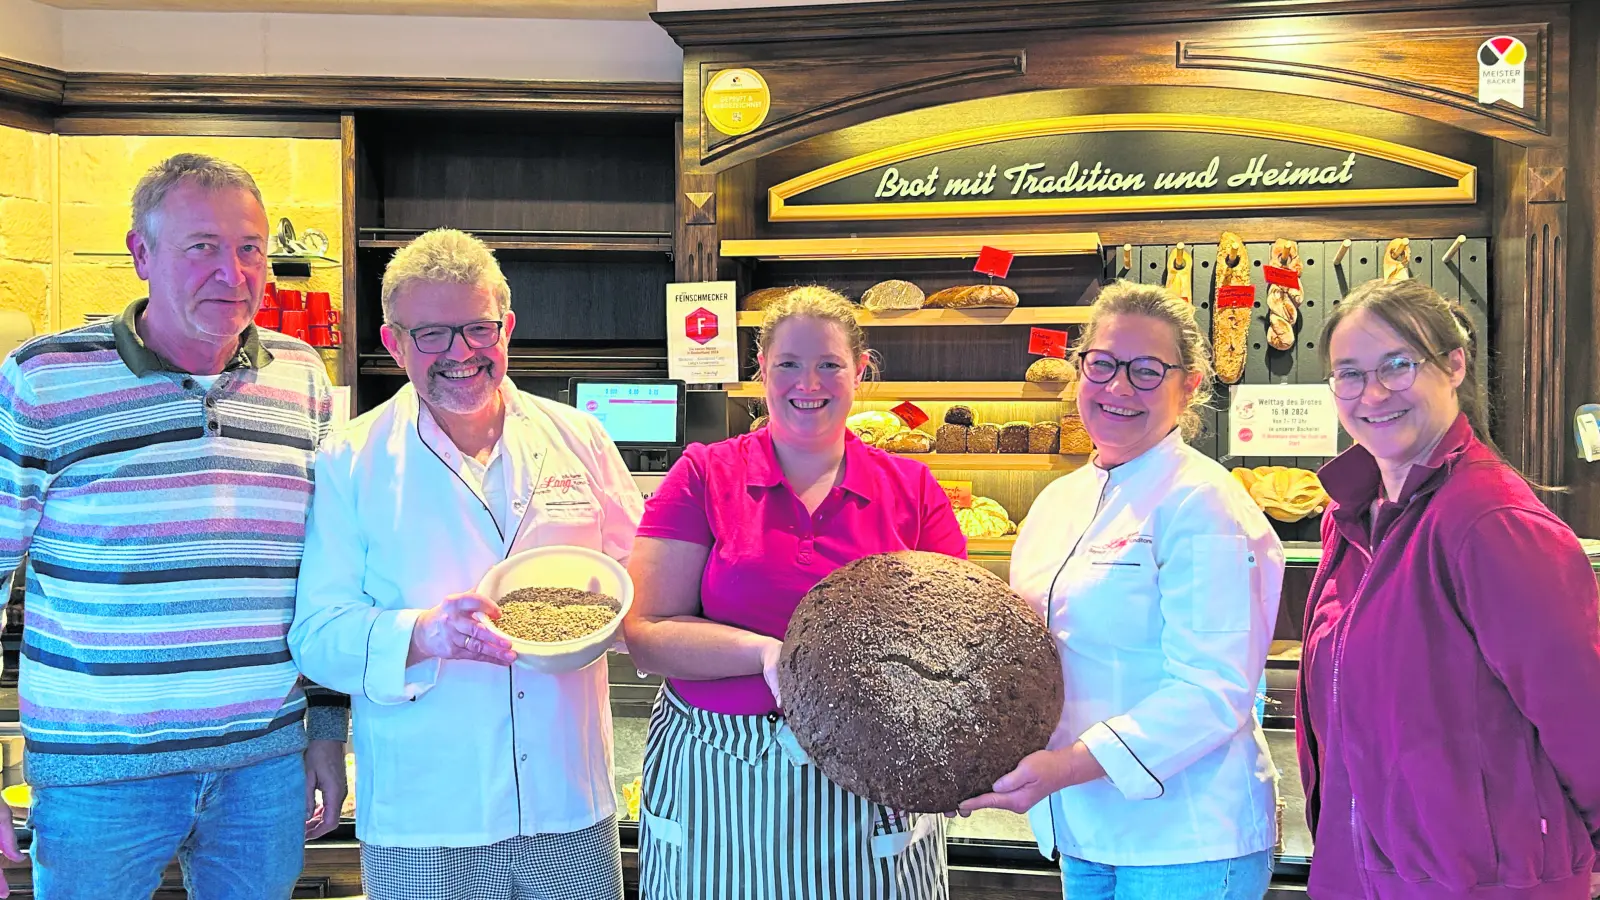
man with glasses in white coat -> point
(475, 779)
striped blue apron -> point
(732, 810)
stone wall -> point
(27, 225)
(299, 178)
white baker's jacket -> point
(1160, 581)
(456, 753)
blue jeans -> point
(238, 833)
(1244, 878)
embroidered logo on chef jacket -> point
(1130, 551)
(566, 496)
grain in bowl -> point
(550, 615)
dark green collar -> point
(141, 360)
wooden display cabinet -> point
(578, 209)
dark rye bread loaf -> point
(1014, 437)
(951, 439)
(916, 680)
(984, 438)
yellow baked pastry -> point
(873, 428)
(908, 440)
(1284, 493)
(986, 519)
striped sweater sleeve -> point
(24, 466)
(327, 710)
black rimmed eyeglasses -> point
(1144, 372)
(1395, 374)
(479, 335)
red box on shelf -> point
(294, 324)
(269, 315)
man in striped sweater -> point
(157, 469)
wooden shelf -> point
(991, 548)
(1022, 315)
(553, 245)
(1002, 391)
(958, 246)
(1000, 462)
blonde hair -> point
(205, 172)
(813, 301)
(444, 256)
(1125, 298)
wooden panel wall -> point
(1397, 69)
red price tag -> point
(993, 261)
(1045, 342)
(1236, 296)
(959, 492)
(910, 414)
(1282, 277)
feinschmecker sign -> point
(1123, 164)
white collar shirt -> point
(456, 753)
(1160, 582)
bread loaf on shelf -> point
(893, 294)
(909, 441)
(951, 439)
(1074, 437)
(984, 438)
(1014, 437)
(1044, 437)
(986, 519)
(763, 298)
(1048, 369)
(973, 296)
(874, 426)
(960, 415)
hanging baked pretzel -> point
(1180, 273)
(1230, 317)
(1397, 261)
(1283, 293)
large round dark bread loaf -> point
(916, 679)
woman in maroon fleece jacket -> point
(1450, 689)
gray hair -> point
(1126, 298)
(206, 172)
(444, 256)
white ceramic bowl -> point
(561, 567)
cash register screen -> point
(640, 414)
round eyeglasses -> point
(1395, 374)
(1145, 372)
(440, 338)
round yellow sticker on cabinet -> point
(737, 101)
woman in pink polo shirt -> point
(735, 536)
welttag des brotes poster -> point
(702, 336)
(1282, 420)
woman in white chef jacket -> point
(1159, 578)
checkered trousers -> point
(577, 865)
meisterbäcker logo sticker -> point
(1500, 64)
